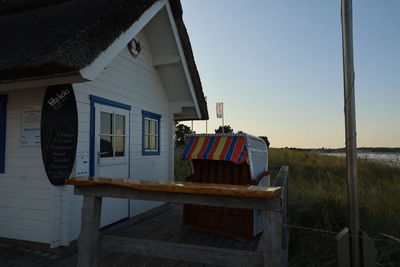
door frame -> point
(92, 140)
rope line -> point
(395, 240)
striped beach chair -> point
(226, 159)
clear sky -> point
(277, 66)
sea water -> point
(389, 158)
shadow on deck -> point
(163, 223)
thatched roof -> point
(51, 37)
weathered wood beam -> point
(186, 252)
(281, 177)
(272, 239)
(200, 199)
(282, 180)
(274, 242)
(90, 232)
(248, 191)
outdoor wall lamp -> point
(134, 47)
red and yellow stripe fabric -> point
(216, 147)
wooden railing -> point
(271, 252)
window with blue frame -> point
(3, 110)
(150, 133)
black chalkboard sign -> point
(59, 132)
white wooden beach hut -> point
(131, 68)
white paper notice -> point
(30, 126)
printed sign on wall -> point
(59, 132)
(30, 126)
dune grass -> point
(318, 200)
(182, 168)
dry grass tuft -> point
(318, 199)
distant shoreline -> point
(388, 158)
(359, 150)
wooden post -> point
(343, 248)
(285, 228)
(275, 239)
(369, 251)
(90, 232)
(272, 239)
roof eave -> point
(91, 71)
(45, 80)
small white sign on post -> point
(30, 126)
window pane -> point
(146, 126)
(119, 124)
(119, 146)
(146, 142)
(153, 140)
(149, 127)
(105, 123)
(106, 147)
(152, 127)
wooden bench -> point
(272, 200)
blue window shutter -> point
(3, 116)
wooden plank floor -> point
(165, 225)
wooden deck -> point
(163, 223)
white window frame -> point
(114, 111)
(150, 116)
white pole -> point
(223, 130)
(350, 126)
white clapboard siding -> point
(135, 82)
(34, 210)
(25, 194)
(40, 234)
